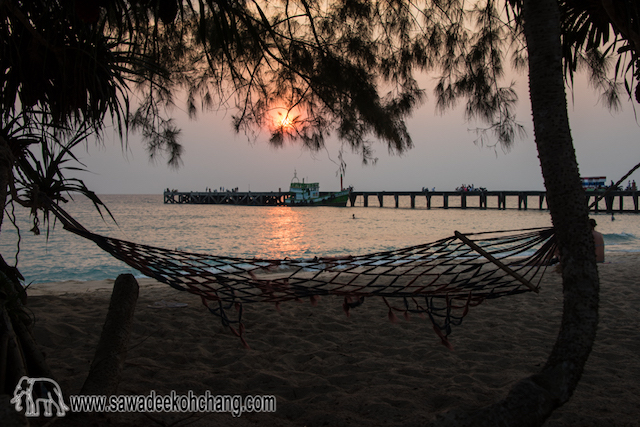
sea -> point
(271, 232)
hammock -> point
(442, 279)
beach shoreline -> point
(325, 368)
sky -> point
(444, 155)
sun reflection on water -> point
(284, 232)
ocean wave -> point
(620, 238)
(621, 242)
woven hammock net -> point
(441, 280)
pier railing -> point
(614, 201)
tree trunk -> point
(566, 199)
(532, 400)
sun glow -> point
(286, 122)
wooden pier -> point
(447, 199)
(614, 201)
(249, 198)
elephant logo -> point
(36, 391)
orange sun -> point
(286, 123)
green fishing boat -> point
(308, 194)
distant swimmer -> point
(354, 216)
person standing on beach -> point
(599, 241)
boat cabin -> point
(593, 182)
(302, 190)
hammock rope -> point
(441, 280)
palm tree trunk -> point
(566, 198)
(533, 399)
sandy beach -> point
(328, 369)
